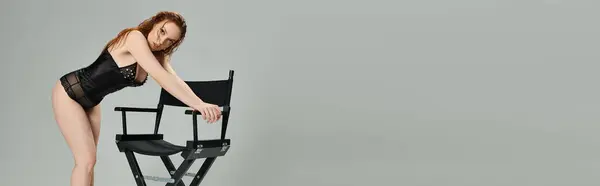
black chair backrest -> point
(216, 92)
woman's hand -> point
(210, 112)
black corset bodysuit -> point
(89, 85)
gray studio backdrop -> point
(345, 93)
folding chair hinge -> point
(198, 153)
(225, 147)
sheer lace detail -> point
(73, 86)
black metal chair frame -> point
(215, 92)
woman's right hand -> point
(210, 112)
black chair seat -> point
(151, 147)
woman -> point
(126, 61)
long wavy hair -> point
(146, 26)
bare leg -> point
(76, 129)
(94, 117)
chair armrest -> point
(225, 113)
(124, 111)
(135, 109)
(190, 111)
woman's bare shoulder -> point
(132, 39)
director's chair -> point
(216, 92)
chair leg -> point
(180, 172)
(202, 171)
(135, 168)
(170, 168)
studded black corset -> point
(129, 73)
(89, 85)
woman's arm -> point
(215, 113)
(137, 45)
(167, 66)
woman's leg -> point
(94, 117)
(75, 127)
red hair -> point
(146, 26)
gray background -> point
(412, 93)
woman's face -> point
(163, 35)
